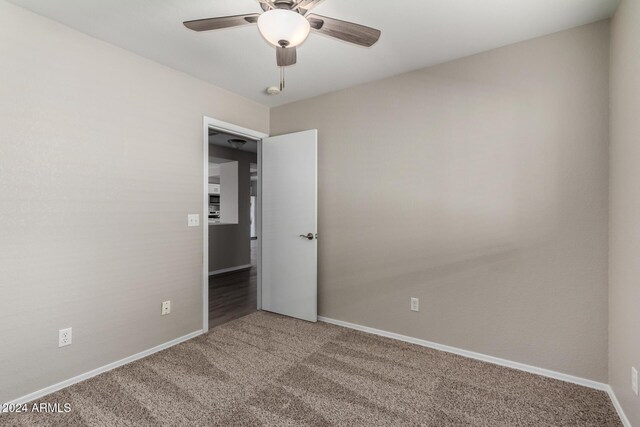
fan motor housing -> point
(281, 4)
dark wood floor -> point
(233, 295)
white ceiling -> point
(415, 34)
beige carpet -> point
(265, 369)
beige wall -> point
(100, 163)
(479, 186)
(624, 256)
(230, 244)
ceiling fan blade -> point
(343, 30)
(222, 22)
(286, 56)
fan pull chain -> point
(282, 83)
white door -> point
(289, 225)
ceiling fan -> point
(287, 23)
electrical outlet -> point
(166, 307)
(64, 337)
(415, 304)
(193, 220)
(634, 380)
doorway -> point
(274, 266)
(230, 274)
(232, 260)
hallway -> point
(233, 295)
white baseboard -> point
(473, 355)
(619, 410)
(229, 270)
(66, 383)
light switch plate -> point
(193, 220)
(415, 304)
(634, 380)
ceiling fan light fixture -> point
(283, 28)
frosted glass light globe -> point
(279, 25)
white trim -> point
(229, 270)
(472, 355)
(66, 383)
(234, 129)
(259, 230)
(205, 225)
(207, 123)
(619, 410)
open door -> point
(289, 225)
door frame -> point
(211, 123)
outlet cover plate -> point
(166, 308)
(64, 337)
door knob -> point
(307, 236)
